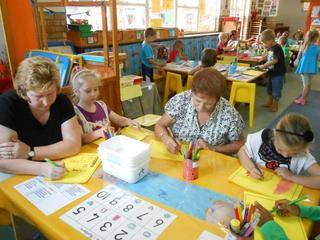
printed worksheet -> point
(50, 197)
(113, 213)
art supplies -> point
(79, 168)
(271, 185)
(125, 158)
(291, 203)
(159, 151)
(190, 164)
(292, 225)
(113, 213)
(50, 197)
(250, 220)
(51, 162)
(174, 139)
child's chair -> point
(189, 82)
(244, 93)
(173, 84)
(243, 64)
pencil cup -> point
(190, 169)
(235, 236)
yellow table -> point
(215, 169)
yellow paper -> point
(252, 73)
(291, 225)
(266, 186)
(135, 133)
(159, 151)
(155, 6)
(202, 7)
(98, 141)
(79, 168)
(148, 120)
(167, 5)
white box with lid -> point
(125, 158)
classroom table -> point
(253, 61)
(214, 171)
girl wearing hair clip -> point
(93, 115)
(285, 150)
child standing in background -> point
(308, 64)
(147, 56)
(276, 68)
(285, 150)
(93, 115)
(283, 44)
(177, 53)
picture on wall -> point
(270, 8)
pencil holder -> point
(190, 169)
(235, 236)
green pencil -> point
(291, 203)
(51, 162)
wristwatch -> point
(31, 153)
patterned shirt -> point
(224, 125)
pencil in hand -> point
(52, 162)
(175, 140)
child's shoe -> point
(274, 107)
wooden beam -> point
(44, 36)
(73, 4)
(114, 23)
(105, 35)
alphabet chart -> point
(113, 213)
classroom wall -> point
(290, 14)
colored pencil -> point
(175, 140)
(51, 162)
(275, 210)
(236, 213)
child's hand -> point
(261, 66)
(132, 123)
(284, 172)
(53, 172)
(285, 210)
(254, 173)
(265, 215)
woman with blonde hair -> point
(36, 122)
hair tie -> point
(76, 71)
(307, 135)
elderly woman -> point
(36, 122)
(203, 115)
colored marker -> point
(251, 227)
(275, 210)
(236, 213)
(51, 162)
(235, 225)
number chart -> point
(113, 213)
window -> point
(187, 14)
(131, 14)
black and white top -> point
(259, 146)
(224, 125)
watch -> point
(31, 153)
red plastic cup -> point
(190, 169)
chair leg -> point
(251, 115)
(141, 106)
(124, 114)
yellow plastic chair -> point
(228, 58)
(224, 62)
(189, 82)
(173, 84)
(244, 93)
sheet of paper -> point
(272, 184)
(98, 141)
(291, 225)
(135, 133)
(50, 197)
(252, 73)
(79, 168)
(159, 151)
(148, 120)
(113, 213)
(205, 235)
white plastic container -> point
(125, 158)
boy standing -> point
(147, 56)
(276, 68)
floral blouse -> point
(224, 125)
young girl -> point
(93, 115)
(308, 64)
(222, 45)
(284, 149)
(177, 53)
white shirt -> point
(298, 162)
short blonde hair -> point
(36, 73)
(294, 132)
(267, 35)
(80, 76)
(223, 35)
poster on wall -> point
(5, 76)
(270, 8)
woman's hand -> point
(53, 172)
(14, 149)
(284, 209)
(172, 145)
(203, 144)
(265, 215)
(284, 172)
(132, 123)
